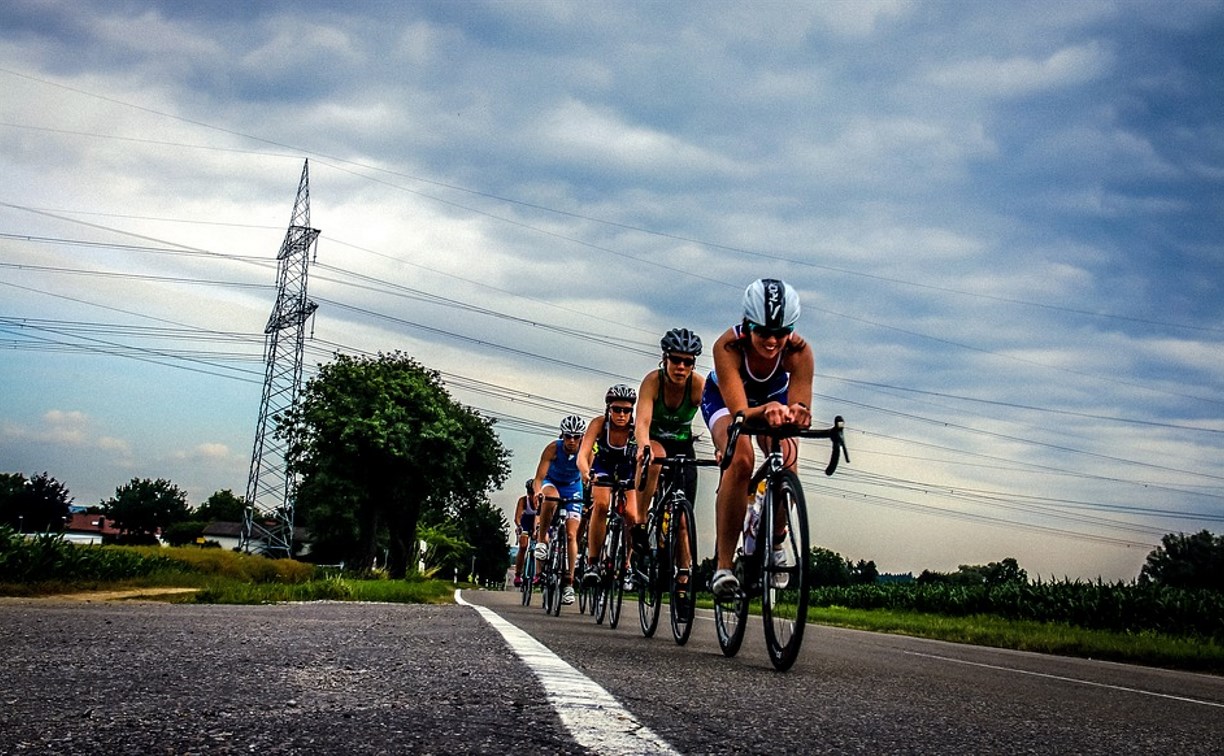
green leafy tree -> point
(38, 504)
(828, 568)
(222, 506)
(1005, 572)
(1186, 561)
(486, 529)
(140, 508)
(864, 572)
(384, 434)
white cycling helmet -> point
(573, 426)
(771, 303)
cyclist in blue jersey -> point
(558, 476)
(762, 369)
(608, 449)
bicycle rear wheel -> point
(731, 615)
(784, 574)
(528, 575)
(650, 590)
(682, 594)
(617, 590)
(584, 593)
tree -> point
(140, 508)
(1186, 561)
(990, 575)
(381, 437)
(828, 568)
(865, 573)
(38, 504)
(485, 528)
(222, 506)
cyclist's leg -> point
(572, 524)
(545, 517)
(731, 501)
(597, 526)
(523, 541)
(652, 472)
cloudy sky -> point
(1004, 220)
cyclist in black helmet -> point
(667, 401)
(607, 448)
(762, 369)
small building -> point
(83, 528)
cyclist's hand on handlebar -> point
(800, 415)
(775, 414)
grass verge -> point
(1149, 649)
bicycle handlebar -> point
(531, 494)
(836, 434)
(649, 459)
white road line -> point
(1075, 680)
(589, 712)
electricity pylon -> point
(267, 524)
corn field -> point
(1118, 607)
(48, 557)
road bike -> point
(527, 586)
(555, 566)
(584, 593)
(771, 559)
(669, 561)
(610, 590)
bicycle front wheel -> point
(650, 592)
(682, 594)
(557, 549)
(784, 573)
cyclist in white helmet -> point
(557, 475)
(763, 369)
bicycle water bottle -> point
(752, 517)
(666, 519)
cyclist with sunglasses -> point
(609, 449)
(762, 369)
(667, 401)
(558, 476)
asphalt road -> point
(371, 678)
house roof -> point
(90, 523)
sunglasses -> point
(771, 333)
(621, 410)
(685, 361)
(571, 436)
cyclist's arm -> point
(546, 458)
(586, 452)
(801, 364)
(727, 363)
(644, 413)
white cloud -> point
(1020, 76)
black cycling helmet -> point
(771, 303)
(622, 392)
(681, 340)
